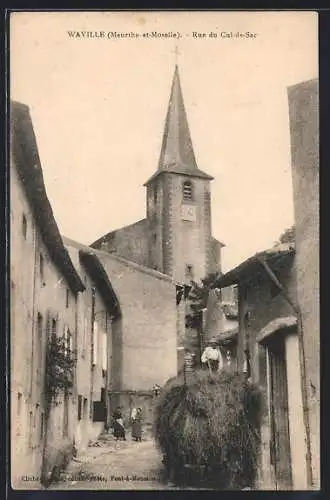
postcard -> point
(164, 246)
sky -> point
(98, 107)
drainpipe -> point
(297, 311)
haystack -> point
(208, 430)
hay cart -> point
(208, 430)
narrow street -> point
(121, 465)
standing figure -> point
(118, 425)
(137, 424)
(212, 357)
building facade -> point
(304, 128)
(43, 280)
(268, 342)
(97, 309)
(278, 293)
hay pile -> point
(208, 430)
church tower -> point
(180, 242)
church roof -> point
(177, 153)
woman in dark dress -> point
(118, 425)
(137, 425)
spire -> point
(177, 153)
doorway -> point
(280, 452)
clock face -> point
(188, 212)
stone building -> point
(43, 283)
(97, 310)
(268, 338)
(278, 294)
(175, 238)
(142, 334)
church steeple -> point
(177, 153)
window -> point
(189, 271)
(80, 408)
(85, 408)
(41, 266)
(67, 298)
(155, 196)
(54, 327)
(99, 411)
(24, 226)
(187, 190)
(19, 404)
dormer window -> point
(187, 189)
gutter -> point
(297, 311)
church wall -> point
(145, 339)
(130, 242)
(155, 218)
(187, 239)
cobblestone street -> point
(121, 465)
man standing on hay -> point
(212, 357)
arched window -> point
(187, 190)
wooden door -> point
(279, 414)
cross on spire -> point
(176, 54)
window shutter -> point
(104, 351)
(48, 326)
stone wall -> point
(145, 338)
(39, 294)
(129, 242)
